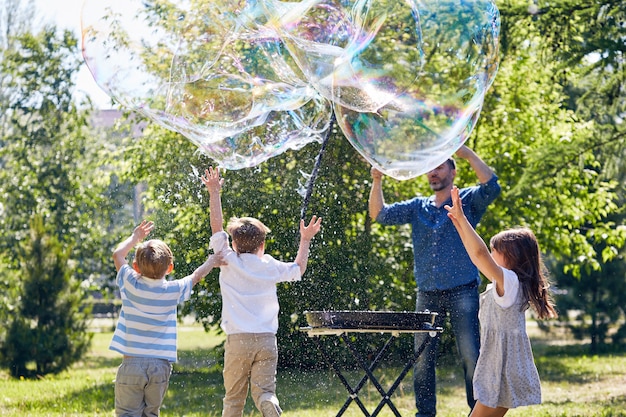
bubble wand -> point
(316, 167)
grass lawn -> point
(574, 385)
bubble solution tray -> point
(371, 320)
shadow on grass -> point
(573, 364)
(97, 399)
(612, 407)
(197, 384)
(99, 362)
(198, 390)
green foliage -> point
(51, 172)
(594, 304)
(8, 291)
(50, 163)
(47, 326)
(557, 109)
(551, 183)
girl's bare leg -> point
(481, 410)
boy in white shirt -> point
(250, 303)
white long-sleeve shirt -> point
(248, 286)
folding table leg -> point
(353, 393)
(371, 367)
(387, 396)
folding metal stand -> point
(316, 332)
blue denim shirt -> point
(440, 259)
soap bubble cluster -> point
(247, 80)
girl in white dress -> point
(505, 375)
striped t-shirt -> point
(147, 323)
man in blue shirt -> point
(447, 280)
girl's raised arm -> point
(475, 246)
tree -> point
(542, 148)
(50, 162)
(15, 19)
(582, 44)
(594, 303)
(47, 326)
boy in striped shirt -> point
(146, 329)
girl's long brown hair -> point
(520, 250)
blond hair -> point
(153, 258)
(248, 233)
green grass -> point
(574, 385)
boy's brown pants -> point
(249, 361)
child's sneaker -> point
(269, 409)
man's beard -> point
(442, 184)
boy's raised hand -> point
(143, 230)
(139, 233)
(308, 231)
(212, 180)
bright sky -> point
(66, 14)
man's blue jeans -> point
(461, 305)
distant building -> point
(106, 120)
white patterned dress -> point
(505, 375)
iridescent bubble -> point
(211, 73)
(407, 78)
(358, 54)
(129, 47)
(247, 80)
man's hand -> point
(376, 173)
(376, 200)
(482, 170)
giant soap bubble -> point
(247, 80)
